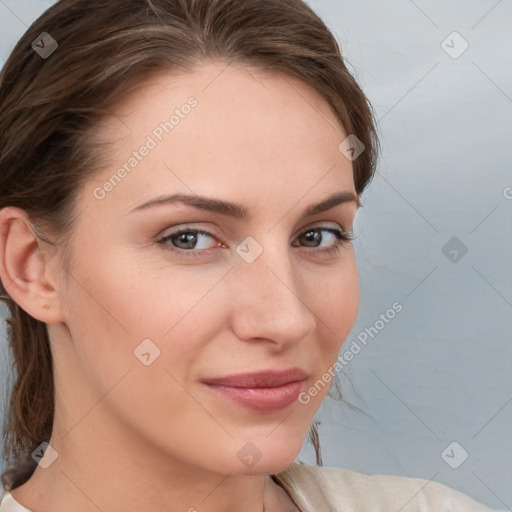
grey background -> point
(438, 372)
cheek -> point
(135, 340)
(348, 299)
(125, 308)
(336, 310)
(337, 305)
(141, 295)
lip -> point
(265, 391)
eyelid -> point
(186, 226)
(212, 231)
(327, 225)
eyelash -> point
(342, 237)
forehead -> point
(224, 130)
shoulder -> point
(312, 486)
(9, 504)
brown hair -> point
(50, 105)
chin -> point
(268, 455)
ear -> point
(24, 267)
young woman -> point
(178, 184)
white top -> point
(322, 489)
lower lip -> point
(261, 399)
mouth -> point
(264, 392)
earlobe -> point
(24, 267)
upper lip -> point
(261, 379)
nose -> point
(270, 302)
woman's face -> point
(151, 315)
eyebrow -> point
(239, 211)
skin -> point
(124, 430)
